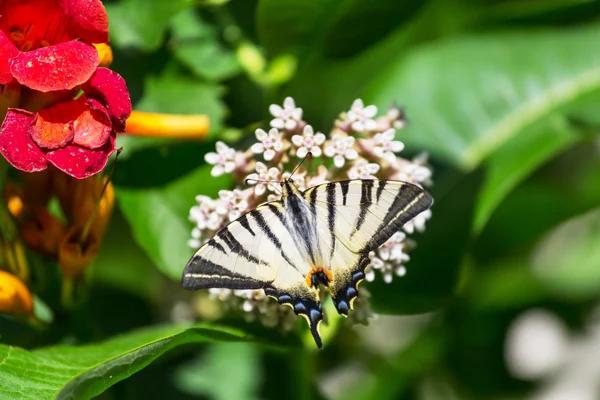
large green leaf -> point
(515, 160)
(159, 217)
(196, 44)
(211, 375)
(468, 96)
(335, 28)
(464, 96)
(567, 258)
(82, 372)
(142, 23)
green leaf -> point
(142, 23)
(316, 26)
(196, 44)
(159, 217)
(212, 374)
(282, 27)
(468, 96)
(170, 93)
(566, 260)
(82, 372)
(515, 160)
(433, 270)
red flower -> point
(40, 46)
(77, 136)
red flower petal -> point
(93, 127)
(110, 90)
(7, 52)
(87, 20)
(53, 126)
(16, 144)
(80, 162)
(58, 67)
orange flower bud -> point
(15, 205)
(73, 256)
(15, 297)
(168, 125)
(105, 54)
(88, 204)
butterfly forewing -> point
(239, 256)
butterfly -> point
(319, 236)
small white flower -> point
(386, 146)
(362, 169)
(264, 178)
(287, 117)
(308, 141)
(361, 117)
(233, 203)
(393, 118)
(270, 143)
(418, 222)
(319, 178)
(393, 249)
(396, 116)
(389, 259)
(220, 294)
(206, 217)
(341, 148)
(223, 160)
(415, 171)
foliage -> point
(503, 95)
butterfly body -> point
(320, 236)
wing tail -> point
(304, 302)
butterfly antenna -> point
(308, 155)
(247, 180)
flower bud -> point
(15, 297)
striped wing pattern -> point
(320, 236)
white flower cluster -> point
(389, 259)
(360, 146)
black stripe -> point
(380, 186)
(243, 220)
(331, 213)
(313, 205)
(366, 199)
(262, 224)
(236, 247)
(296, 204)
(345, 185)
(398, 204)
(395, 218)
(212, 242)
(216, 276)
(275, 210)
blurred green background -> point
(502, 292)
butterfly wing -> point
(257, 251)
(356, 217)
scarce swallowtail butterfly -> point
(320, 236)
